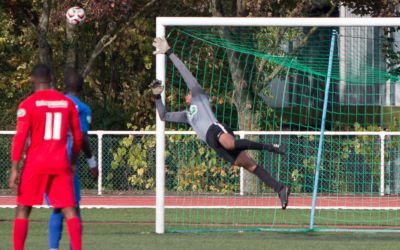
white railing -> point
(242, 134)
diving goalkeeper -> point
(219, 137)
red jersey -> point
(47, 116)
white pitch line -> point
(222, 207)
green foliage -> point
(349, 163)
(16, 56)
(134, 161)
(125, 66)
(374, 8)
(116, 87)
(190, 166)
(193, 167)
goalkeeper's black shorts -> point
(212, 139)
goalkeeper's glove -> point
(156, 87)
(161, 45)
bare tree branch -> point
(110, 36)
(105, 41)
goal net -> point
(269, 85)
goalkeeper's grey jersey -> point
(199, 115)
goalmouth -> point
(163, 22)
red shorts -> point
(59, 190)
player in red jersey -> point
(45, 117)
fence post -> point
(242, 136)
(382, 186)
(100, 161)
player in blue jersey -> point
(74, 84)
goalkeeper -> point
(219, 137)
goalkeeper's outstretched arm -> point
(170, 116)
(190, 81)
(162, 47)
(157, 89)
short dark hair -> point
(42, 73)
(73, 81)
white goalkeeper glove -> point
(156, 87)
(161, 45)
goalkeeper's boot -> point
(279, 149)
(284, 196)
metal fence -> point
(353, 162)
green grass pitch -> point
(121, 229)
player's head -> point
(41, 76)
(188, 98)
(73, 82)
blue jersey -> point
(84, 111)
(85, 119)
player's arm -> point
(178, 117)
(91, 161)
(18, 144)
(162, 47)
(76, 134)
(87, 150)
(170, 116)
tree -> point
(112, 49)
(58, 45)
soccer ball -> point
(75, 15)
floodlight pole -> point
(160, 142)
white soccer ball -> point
(75, 15)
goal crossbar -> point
(278, 21)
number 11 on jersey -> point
(52, 130)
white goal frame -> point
(163, 22)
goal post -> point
(323, 120)
(160, 141)
(162, 23)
